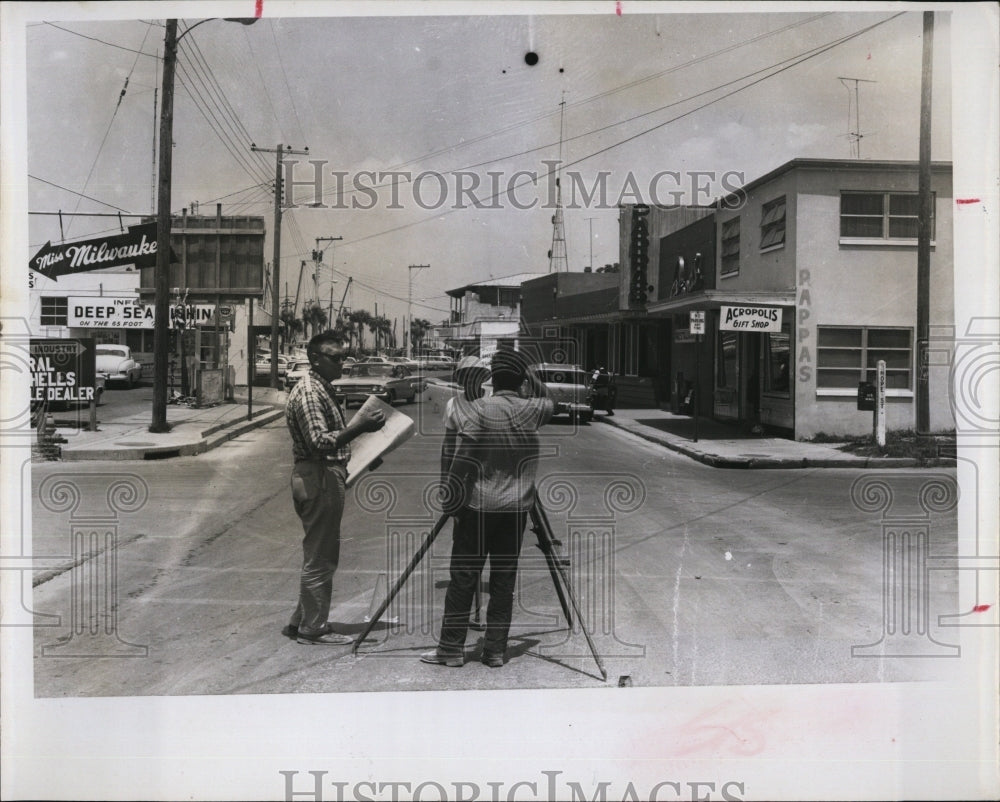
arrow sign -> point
(135, 247)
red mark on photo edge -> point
(259, 9)
(966, 200)
(980, 608)
(618, 7)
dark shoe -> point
(326, 637)
(492, 660)
(290, 631)
(442, 660)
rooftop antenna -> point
(557, 254)
(854, 136)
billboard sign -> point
(62, 369)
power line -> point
(267, 94)
(74, 192)
(615, 90)
(801, 59)
(291, 98)
(111, 122)
(109, 44)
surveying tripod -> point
(543, 532)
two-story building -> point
(807, 278)
(484, 315)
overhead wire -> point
(281, 63)
(802, 58)
(111, 123)
(583, 101)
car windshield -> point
(371, 369)
(110, 350)
(563, 376)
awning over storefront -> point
(713, 299)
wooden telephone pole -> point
(275, 306)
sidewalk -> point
(193, 431)
(725, 446)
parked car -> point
(262, 368)
(116, 364)
(437, 390)
(297, 369)
(569, 386)
(387, 382)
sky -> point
(449, 100)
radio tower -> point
(557, 254)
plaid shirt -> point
(314, 419)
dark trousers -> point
(318, 493)
(478, 535)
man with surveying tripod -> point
(488, 486)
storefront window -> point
(777, 361)
(728, 361)
(851, 355)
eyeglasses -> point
(331, 357)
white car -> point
(297, 369)
(116, 364)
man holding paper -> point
(321, 446)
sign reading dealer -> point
(62, 370)
(749, 318)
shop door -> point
(750, 366)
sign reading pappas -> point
(369, 448)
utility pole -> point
(924, 229)
(161, 273)
(318, 259)
(275, 310)
(161, 306)
(408, 333)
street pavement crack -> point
(210, 539)
(47, 575)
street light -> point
(161, 272)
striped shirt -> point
(314, 419)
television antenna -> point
(855, 136)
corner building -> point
(831, 245)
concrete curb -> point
(206, 442)
(718, 461)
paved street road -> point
(687, 575)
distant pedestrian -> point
(488, 485)
(603, 389)
(321, 447)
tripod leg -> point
(539, 515)
(540, 528)
(425, 546)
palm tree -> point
(384, 328)
(418, 330)
(314, 315)
(360, 318)
(292, 325)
